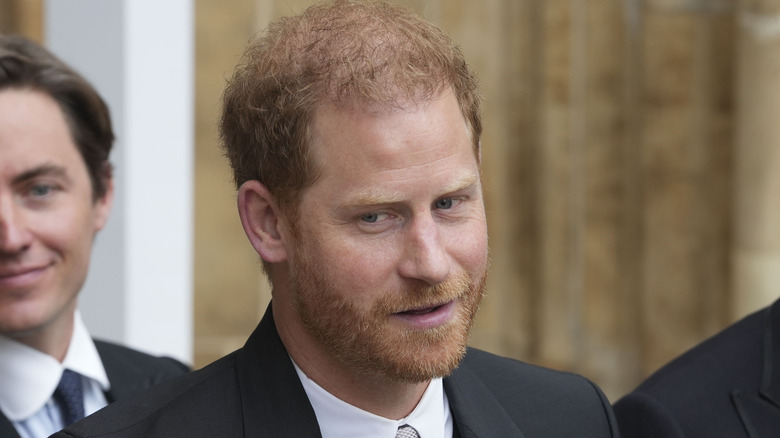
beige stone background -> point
(631, 162)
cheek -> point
(356, 267)
(470, 247)
(66, 231)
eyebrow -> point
(370, 197)
(44, 170)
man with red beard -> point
(353, 131)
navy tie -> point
(70, 397)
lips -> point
(20, 276)
(422, 310)
(427, 317)
(13, 272)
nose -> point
(425, 256)
(14, 236)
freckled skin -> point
(48, 220)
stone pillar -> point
(138, 54)
(757, 158)
(23, 17)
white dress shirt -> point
(339, 419)
(30, 377)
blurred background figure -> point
(726, 386)
(56, 192)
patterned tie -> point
(70, 398)
(407, 431)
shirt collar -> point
(337, 418)
(83, 357)
(31, 376)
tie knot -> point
(407, 431)
(69, 395)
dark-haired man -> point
(55, 195)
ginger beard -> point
(369, 341)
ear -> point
(260, 218)
(102, 206)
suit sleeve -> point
(641, 416)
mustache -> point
(425, 295)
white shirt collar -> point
(31, 376)
(83, 357)
(338, 419)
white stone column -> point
(757, 158)
(139, 55)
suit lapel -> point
(760, 418)
(273, 399)
(760, 413)
(125, 379)
(770, 381)
(476, 413)
(7, 429)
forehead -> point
(34, 132)
(357, 150)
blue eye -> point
(443, 204)
(40, 191)
(370, 217)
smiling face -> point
(388, 259)
(48, 218)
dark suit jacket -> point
(129, 371)
(728, 386)
(255, 392)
